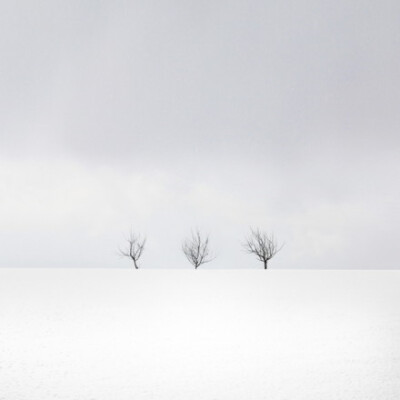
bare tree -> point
(197, 249)
(262, 245)
(134, 249)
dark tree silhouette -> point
(262, 245)
(197, 249)
(134, 249)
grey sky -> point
(222, 115)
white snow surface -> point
(121, 334)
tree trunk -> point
(265, 264)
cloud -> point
(166, 115)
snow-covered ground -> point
(89, 334)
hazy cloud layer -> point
(166, 115)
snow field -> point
(208, 335)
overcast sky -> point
(167, 115)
